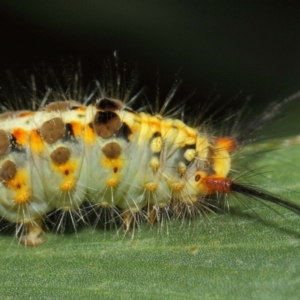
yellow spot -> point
(151, 186)
(89, 135)
(177, 186)
(154, 163)
(190, 154)
(22, 196)
(181, 168)
(112, 163)
(18, 181)
(156, 144)
(67, 185)
(19, 185)
(36, 143)
(112, 182)
(66, 169)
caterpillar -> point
(68, 155)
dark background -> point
(223, 46)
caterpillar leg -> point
(151, 214)
(127, 217)
(32, 234)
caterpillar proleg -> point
(67, 155)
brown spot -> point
(60, 155)
(8, 170)
(4, 142)
(107, 123)
(61, 106)
(112, 150)
(115, 169)
(52, 130)
(109, 104)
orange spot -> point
(77, 128)
(36, 142)
(20, 135)
(228, 143)
(80, 108)
(27, 114)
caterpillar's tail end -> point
(215, 184)
(249, 191)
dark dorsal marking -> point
(106, 104)
(112, 150)
(106, 123)
(4, 142)
(60, 155)
(8, 170)
(52, 130)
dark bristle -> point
(248, 191)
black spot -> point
(115, 169)
(69, 133)
(124, 132)
(74, 107)
(197, 177)
(156, 134)
(15, 146)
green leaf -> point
(223, 256)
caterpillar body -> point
(105, 154)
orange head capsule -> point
(211, 184)
(215, 184)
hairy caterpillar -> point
(67, 154)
